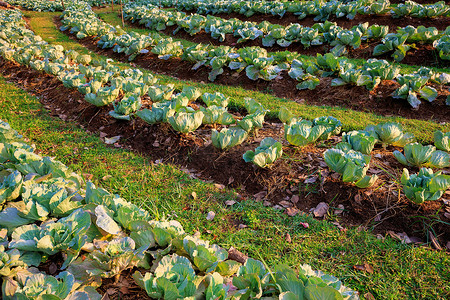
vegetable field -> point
(295, 135)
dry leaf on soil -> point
(278, 207)
(369, 296)
(320, 210)
(339, 210)
(311, 179)
(304, 224)
(236, 255)
(106, 177)
(358, 198)
(288, 238)
(434, 241)
(259, 196)
(364, 267)
(210, 216)
(286, 204)
(292, 211)
(112, 140)
(267, 203)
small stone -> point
(230, 202)
(210, 216)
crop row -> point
(320, 10)
(46, 5)
(256, 62)
(268, 34)
(103, 84)
(45, 210)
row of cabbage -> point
(47, 5)
(321, 10)
(104, 84)
(351, 157)
(256, 62)
(45, 209)
(397, 43)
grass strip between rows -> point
(42, 24)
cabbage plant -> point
(173, 279)
(252, 121)
(160, 93)
(286, 116)
(103, 96)
(442, 140)
(228, 137)
(108, 260)
(360, 140)
(412, 86)
(72, 80)
(418, 155)
(390, 133)
(10, 262)
(217, 115)
(218, 58)
(67, 235)
(130, 86)
(127, 106)
(253, 106)
(332, 126)
(303, 132)
(7, 134)
(393, 42)
(167, 48)
(306, 77)
(352, 165)
(207, 258)
(268, 151)
(41, 286)
(10, 187)
(190, 92)
(442, 45)
(50, 198)
(217, 99)
(185, 122)
(160, 112)
(425, 185)
(346, 38)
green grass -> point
(400, 271)
(42, 24)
